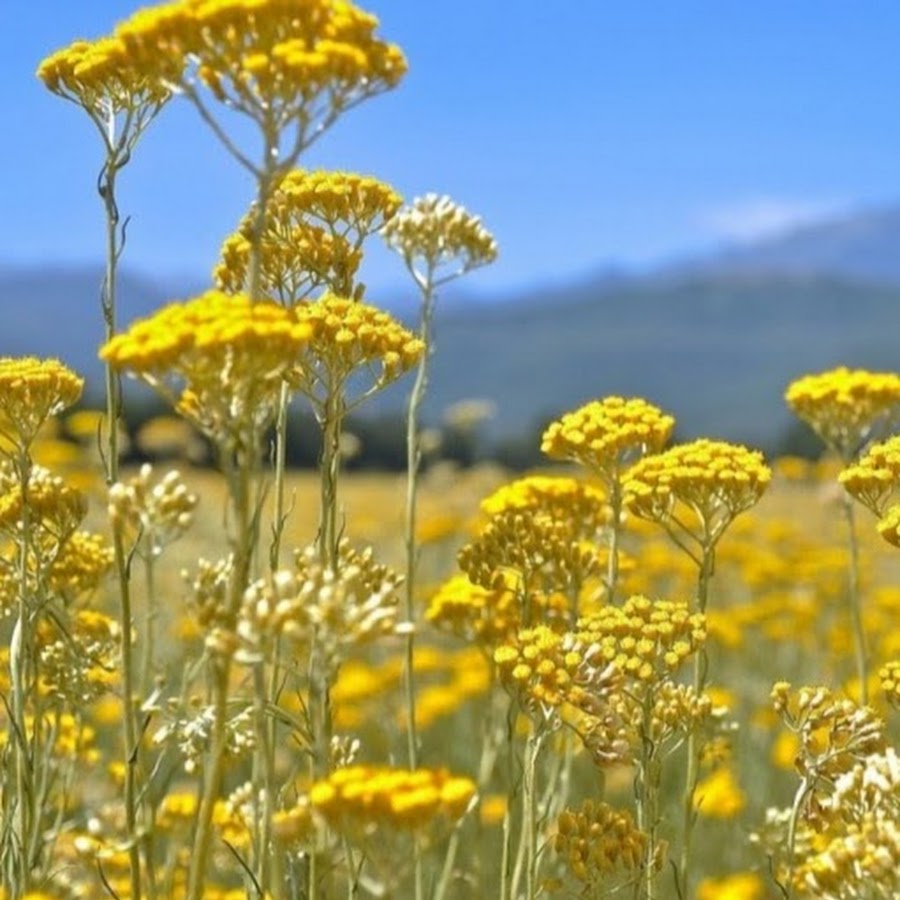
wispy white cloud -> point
(761, 217)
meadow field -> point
(653, 668)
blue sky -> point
(585, 133)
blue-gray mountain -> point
(714, 341)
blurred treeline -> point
(378, 443)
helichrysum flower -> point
(845, 407)
(889, 676)
(873, 479)
(357, 798)
(104, 78)
(226, 354)
(889, 525)
(606, 436)
(597, 843)
(152, 513)
(277, 61)
(719, 796)
(646, 640)
(312, 235)
(436, 235)
(546, 670)
(557, 497)
(348, 337)
(470, 611)
(31, 391)
(697, 488)
(742, 886)
(82, 563)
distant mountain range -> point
(714, 340)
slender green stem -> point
(530, 812)
(413, 460)
(239, 477)
(799, 797)
(148, 646)
(647, 799)
(693, 741)
(855, 602)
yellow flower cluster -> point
(711, 481)
(357, 797)
(539, 553)
(545, 670)
(874, 477)
(227, 353)
(81, 564)
(607, 435)
(597, 841)
(742, 886)
(889, 676)
(889, 525)
(278, 60)
(314, 228)
(475, 613)
(54, 508)
(833, 732)
(646, 640)
(558, 497)
(439, 232)
(101, 77)
(31, 391)
(844, 406)
(719, 795)
(346, 336)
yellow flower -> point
(606, 436)
(874, 477)
(702, 486)
(348, 337)
(311, 236)
(226, 354)
(356, 796)
(102, 77)
(31, 391)
(889, 525)
(719, 795)
(743, 886)
(845, 407)
(276, 61)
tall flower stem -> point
(693, 740)
(647, 800)
(20, 655)
(114, 245)
(855, 602)
(238, 472)
(413, 460)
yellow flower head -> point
(31, 391)
(874, 477)
(743, 886)
(347, 337)
(314, 228)
(889, 676)
(646, 640)
(557, 497)
(102, 77)
(544, 670)
(81, 565)
(608, 435)
(702, 486)
(597, 841)
(226, 354)
(435, 233)
(889, 525)
(277, 61)
(473, 612)
(719, 796)
(355, 797)
(845, 407)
